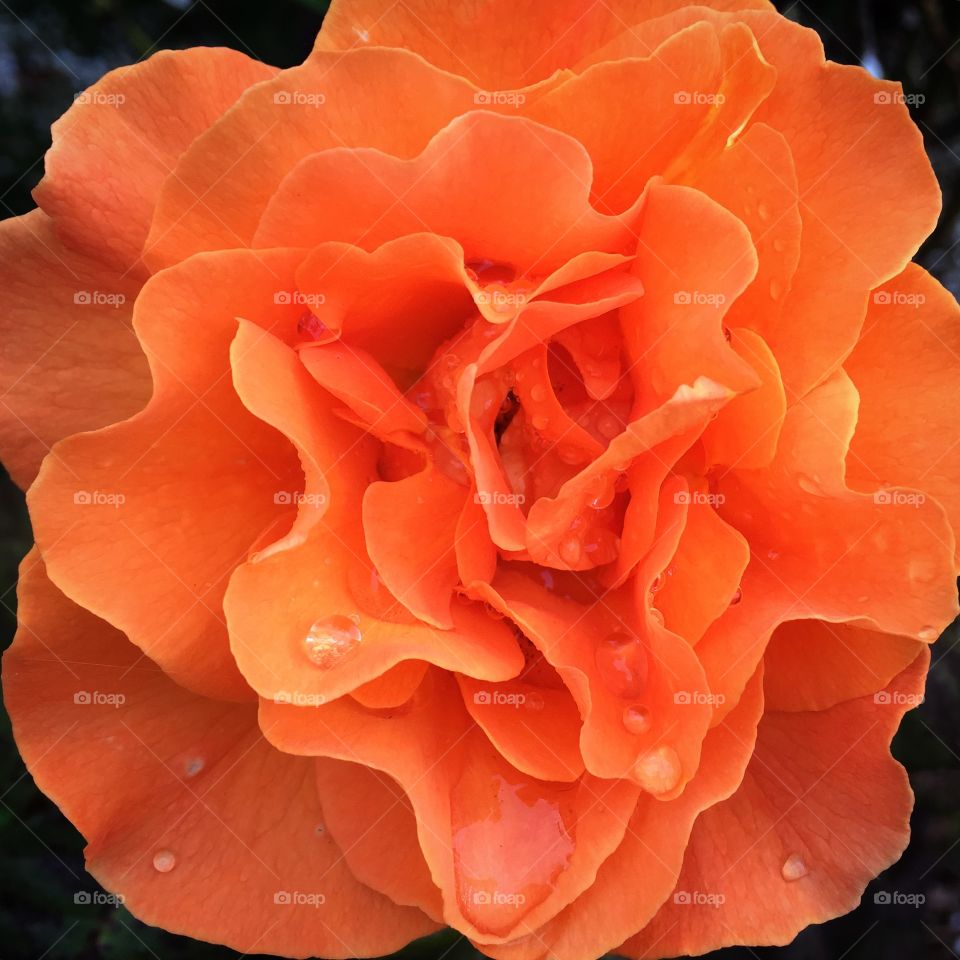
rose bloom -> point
(499, 473)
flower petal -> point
(277, 123)
(507, 850)
(500, 45)
(814, 665)
(278, 601)
(783, 852)
(905, 435)
(142, 522)
(528, 207)
(409, 526)
(113, 149)
(170, 789)
(70, 361)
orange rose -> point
(500, 475)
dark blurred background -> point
(52, 49)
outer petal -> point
(277, 123)
(174, 498)
(170, 789)
(905, 433)
(500, 45)
(115, 146)
(783, 852)
(864, 146)
(844, 253)
(69, 360)
(667, 111)
(813, 664)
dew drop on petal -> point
(164, 861)
(329, 640)
(659, 770)
(636, 720)
(737, 597)
(608, 426)
(622, 664)
(793, 868)
(193, 766)
(776, 290)
(928, 633)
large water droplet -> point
(659, 770)
(623, 664)
(636, 720)
(329, 640)
(164, 861)
(793, 868)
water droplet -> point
(540, 422)
(623, 664)
(657, 582)
(311, 329)
(538, 393)
(319, 829)
(636, 720)
(793, 868)
(928, 633)
(659, 770)
(737, 597)
(164, 861)
(776, 289)
(773, 555)
(570, 549)
(329, 640)
(763, 211)
(193, 766)
(608, 426)
(778, 245)
(603, 495)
